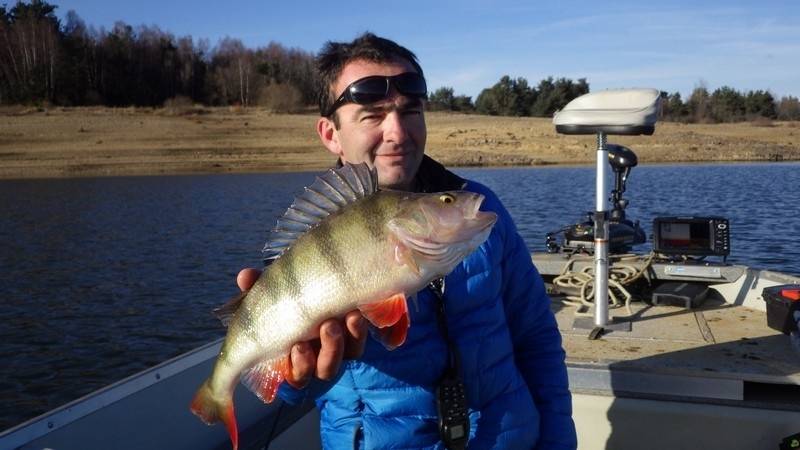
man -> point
(495, 308)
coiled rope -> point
(621, 272)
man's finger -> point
(247, 278)
(303, 362)
(332, 348)
(356, 336)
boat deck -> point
(719, 351)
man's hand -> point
(320, 357)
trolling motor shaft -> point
(601, 235)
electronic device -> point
(451, 398)
(692, 236)
(451, 404)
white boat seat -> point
(615, 111)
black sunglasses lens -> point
(374, 89)
(368, 90)
(411, 83)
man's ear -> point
(329, 136)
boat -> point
(697, 364)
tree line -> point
(45, 61)
(513, 97)
(726, 104)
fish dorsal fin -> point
(329, 193)
(226, 312)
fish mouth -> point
(479, 227)
(476, 207)
(479, 220)
(473, 222)
(443, 239)
(484, 220)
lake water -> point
(103, 277)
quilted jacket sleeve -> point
(295, 396)
(535, 336)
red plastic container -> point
(782, 302)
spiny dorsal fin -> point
(330, 193)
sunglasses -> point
(376, 88)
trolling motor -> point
(623, 112)
(623, 233)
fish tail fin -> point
(211, 410)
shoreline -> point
(158, 171)
(101, 142)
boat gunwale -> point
(79, 408)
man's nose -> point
(394, 128)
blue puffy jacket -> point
(512, 361)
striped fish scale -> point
(342, 245)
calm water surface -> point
(101, 278)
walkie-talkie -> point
(451, 399)
(451, 404)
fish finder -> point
(692, 236)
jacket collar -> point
(433, 177)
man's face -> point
(388, 135)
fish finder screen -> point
(686, 235)
(692, 236)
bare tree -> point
(233, 71)
(29, 42)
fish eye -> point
(447, 198)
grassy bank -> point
(67, 142)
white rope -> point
(620, 273)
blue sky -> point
(470, 44)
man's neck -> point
(413, 186)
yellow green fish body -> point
(342, 245)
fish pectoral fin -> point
(389, 319)
(225, 312)
(265, 377)
(384, 313)
(392, 336)
(405, 257)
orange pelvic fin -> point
(389, 319)
(265, 377)
(210, 410)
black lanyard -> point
(451, 400)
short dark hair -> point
(369, 47)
